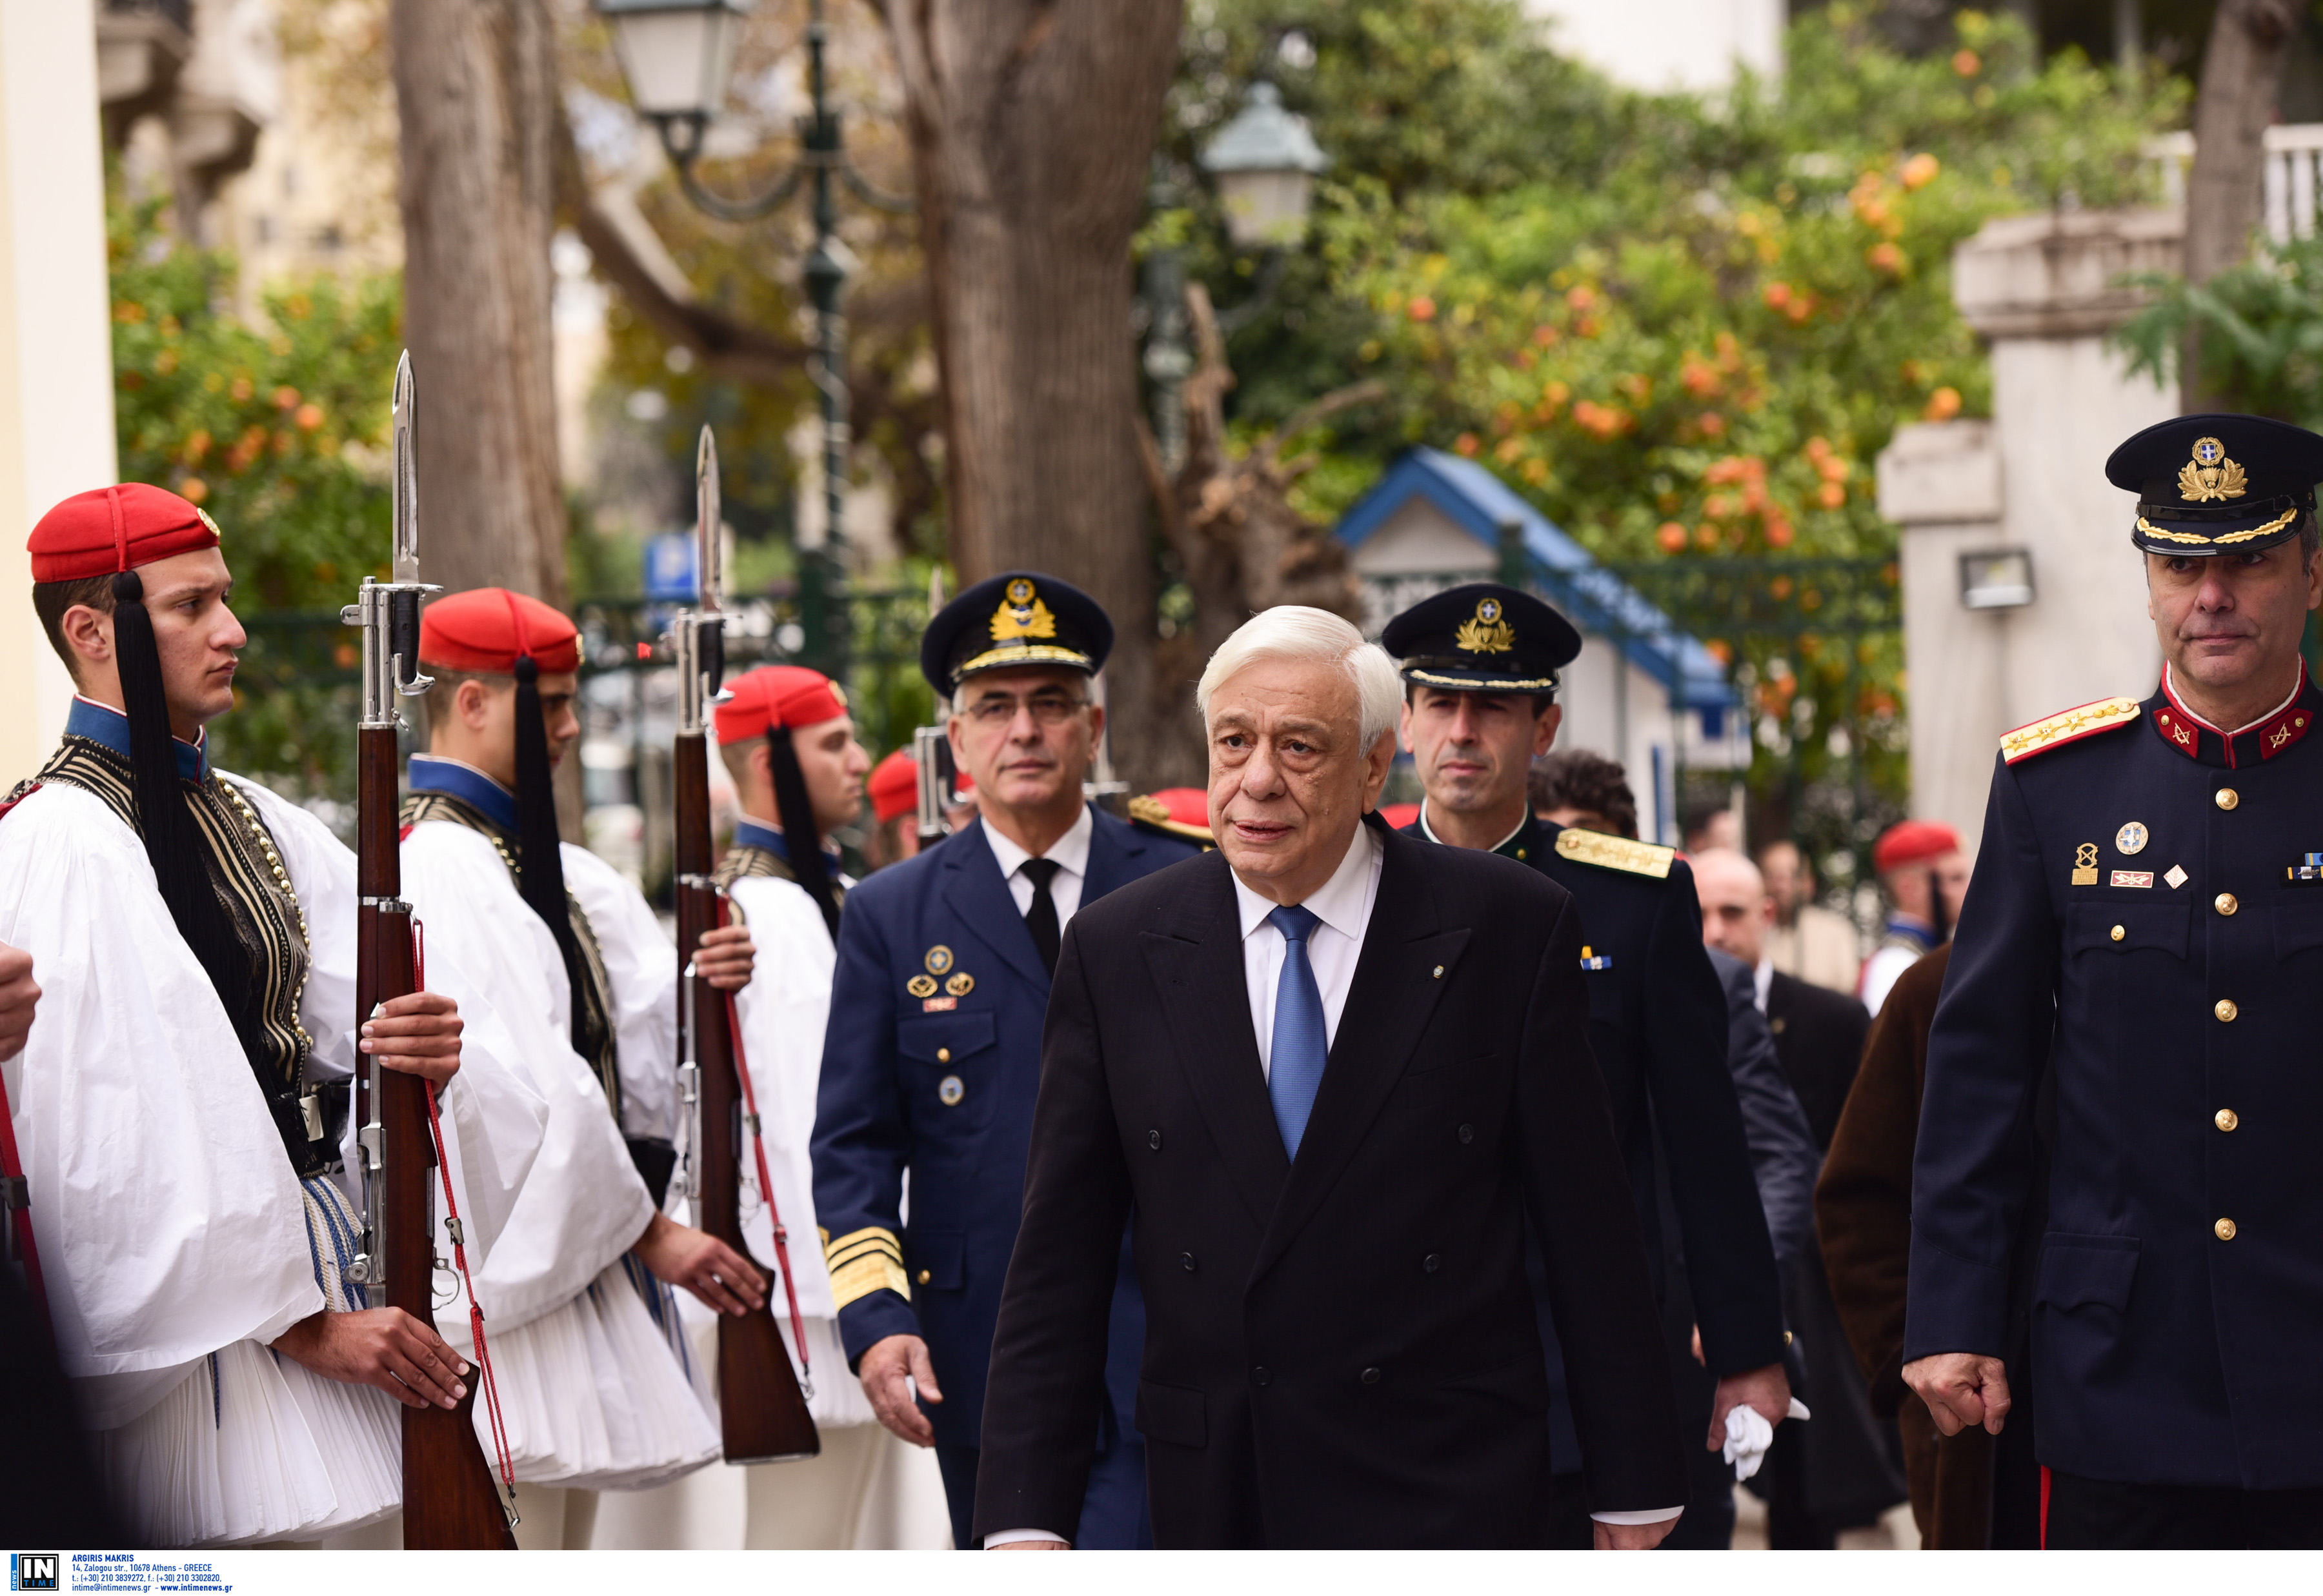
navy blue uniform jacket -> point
(1657, 1022)
(931, 1063)
(2172, 977)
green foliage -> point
(1683, 327)
(2259, 326)
(277, 429)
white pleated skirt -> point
(603, 1393)
(251, 1447)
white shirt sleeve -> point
(1009, 1537)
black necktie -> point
(1040, 919)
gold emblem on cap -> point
(1021, 614)
(2085, 865)
(2210, 474)
(1488, 633)
(921, 985)
(939, 959)
(213, 525)
(2131, 838)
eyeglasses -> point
(1001, 708)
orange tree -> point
(1687, 328)
(276, 427)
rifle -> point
(761, 1406)
(449, 1499)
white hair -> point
(1297, 631)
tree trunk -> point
(1033, 122)
(2241, 72)
(475, 85)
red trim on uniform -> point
(2178, 732)
(2045, 1506)
(2191, 720)
(2284, 729)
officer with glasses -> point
(932, 1056)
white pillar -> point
(2043, 291)
(56, 341)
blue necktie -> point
(1295, 1064)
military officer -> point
(2146, 929)
(933, 1055)
(1480, 668)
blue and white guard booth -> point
(1642, 692)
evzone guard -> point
(182, 1104)
(599, 1390)
(788, 742)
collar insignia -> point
(1021, 615)
(1488, 633)
(2210, 474)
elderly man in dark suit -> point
(1332, 1070)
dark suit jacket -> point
(1783, 1158)
(1819, 1037)
(884, 1106)
(1340, 1351)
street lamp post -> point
(1264, 162)
(677, 56)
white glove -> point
(1748, 1435)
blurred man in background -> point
(1924, 876)
(1575, 787)
(1834, 1474)
(895, 793)
(1806, 940)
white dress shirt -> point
(1070, 855)
(1343, 905)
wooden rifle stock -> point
(763, 1410)
(450, 1502)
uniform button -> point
(2226, 1119)
(1185, 1261)
(1258, 1376)
(2224, 1230)
(1439, 972)
(925, 1276)
(1431, 1264)
(943, 1055)
(2225, 1008)
(1154, 1140)
(2225, 797)
(1371, 1377)
(2118, 933)
(1467, 1134)
(2225, 903)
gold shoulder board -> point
(1147, 810)
(1615, 853)
(2071, 726)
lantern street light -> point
(1264, 161)
(677, 56)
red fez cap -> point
(789, 696)
(894, 786)
(487, 629)
(1911, 842)
(108, 531)
(1189, 806)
